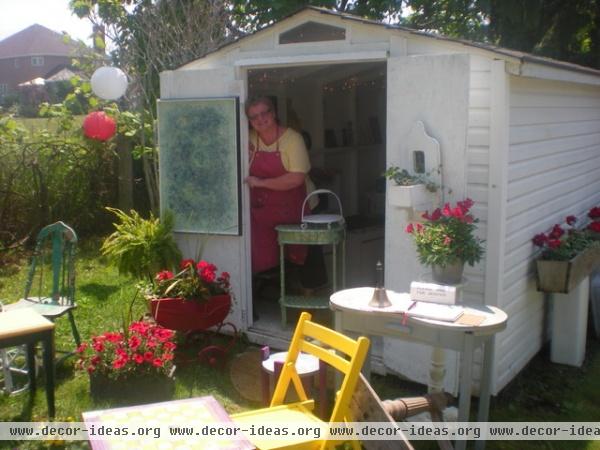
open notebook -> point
(402, 303)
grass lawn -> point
(544, 392)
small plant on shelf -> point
(403, 177)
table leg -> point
(31, 365)
(49, 370)
(466, 378)
(486, 385)
(282, 285)
(334, 268)
(437, 370)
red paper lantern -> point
(97, 125)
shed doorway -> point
(341, 111)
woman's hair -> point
(267, 101)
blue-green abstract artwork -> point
(199, 164)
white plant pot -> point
(416, 196)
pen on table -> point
(412, 305)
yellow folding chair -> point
(348, 359)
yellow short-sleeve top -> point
(294, 155)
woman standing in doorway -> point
(279, 165)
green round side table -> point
(334, 235)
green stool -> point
(334, 235)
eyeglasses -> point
(260, 114)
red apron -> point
(269, 208)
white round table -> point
(353, 314)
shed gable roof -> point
(501, 51)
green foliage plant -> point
(141, 247)
(447, 236)
(403, 177)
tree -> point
(150, 36)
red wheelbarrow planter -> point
(195, 319)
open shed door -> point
(434, 90)
(202, 135)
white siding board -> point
(542, 132)
(479, 98)
(478, 155)
(520, 152)
(479, 117)
(533, 174)
(480, 79)
(478, 136)
(478, 174)
(534, 116)
(553, 171)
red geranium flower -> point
(157, 362)
(571, 220)
(594, 213)
(540, 239)
(594, 226)
(185, 263)
(164, 275)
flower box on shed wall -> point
(415, 196)
(562, 276)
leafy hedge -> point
(53, 173)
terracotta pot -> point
(449, 274)
(186, 315)
(131, 390)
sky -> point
(15, 15)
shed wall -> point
(553, 171)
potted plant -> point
(409, 190)
(141, 247)
(446, 241)
(195, 298)
(130, 366)
(567, 256)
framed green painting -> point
(199, 158)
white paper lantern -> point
(109, 83)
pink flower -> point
(148, 356)
(571, 220)
(157, 362)
(134, 342)
(409, 228)
(168, 356)
(419, 227)
(113, 337)
(447, 240)
(447, 211)
(164, 275)
(82, 348)
(139, 359)
(119, 363)
(169, 346)
(435, 215)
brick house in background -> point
(35, 52)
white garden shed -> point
(518, 134)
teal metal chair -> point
(50, 287)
